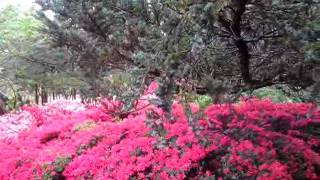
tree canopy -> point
(210, 46)
(28, 64)
(222, 48)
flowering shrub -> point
(263, 140)
(12, 124)
(255, 139)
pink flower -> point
(93, 142)
(203, 122)
(195, 108)
(225, 141)
(208, 173)
(152, 87)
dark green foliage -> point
(117, 47)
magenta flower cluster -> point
(255, 139)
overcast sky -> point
(23, 4)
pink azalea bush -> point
(255, 139)
(13, 123)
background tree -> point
(28, 65)
(223, 45)
(222, 48)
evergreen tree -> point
(245, 44)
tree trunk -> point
(242, 46)
(234, 28)
(73, 93)
(36, 93)
(44, 96)
(244, 60)
(2, 107)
